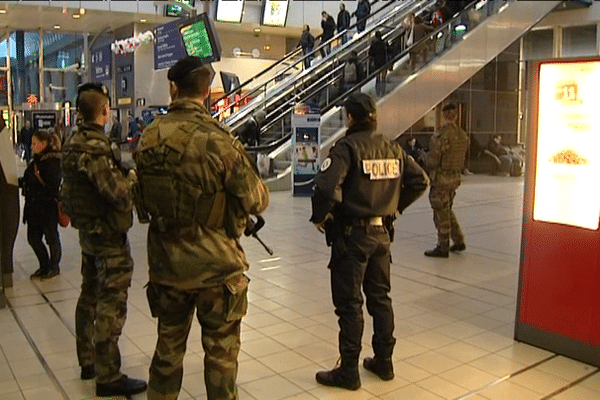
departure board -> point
(196, 40)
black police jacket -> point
(366, 175)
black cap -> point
(449, 107)
(360, 106)
(184, 67)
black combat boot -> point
(458, 247)
(383, 368)
(346, 378)
(88, 372)
(123, 386)
(437, 252)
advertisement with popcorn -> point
(568, 165)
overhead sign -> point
(44, 120)
(167, 45)
(101, 63)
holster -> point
(388, 222)
(333, 230)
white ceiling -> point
(32, 18)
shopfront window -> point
(3, 81)
(538, 45)
(579, 41)
(25, 66)
(62, 65)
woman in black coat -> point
(41, 183)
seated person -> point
(504, 157)
(413, 149)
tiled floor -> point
(454, 317)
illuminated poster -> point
(275, 12)
(568, 162)
(230, 10)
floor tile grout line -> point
(570, 385)
(37, 352)
(505, 378)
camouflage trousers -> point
(101, 311)
(445, 221)
(219, 310)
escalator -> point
(449, 56)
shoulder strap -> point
(36, 172)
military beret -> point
(360, 106)
(449, 107)
(184, 67)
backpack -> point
(516, 168)
(350, 73)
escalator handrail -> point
(291, 55)
(411, 8)
(342, 96)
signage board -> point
(275, 12)
(567, 157)
(43, 120)
(167, 45)
(101, 61)
(230, 11)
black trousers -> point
(35, 233)
(361, 260)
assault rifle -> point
(253, 227)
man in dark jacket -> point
(307, 43)
(328, 25)
(363, 9)
(25, 136)
(363, 183)
(343, 22)
(378, 53)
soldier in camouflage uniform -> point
(199, 187)
(96, 195)
(445, 161)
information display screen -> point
(230, 10)
(568, 139)
(200, 39)
(275, 12)
(178, 11)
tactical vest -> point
(166, 196)
(453, 158)
(88, 209)
(372, 186)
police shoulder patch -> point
(382, 169)
(326, 164)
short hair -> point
(324, 13)
(90, 104)
(450, 110)
(378, 34)
(192, 76)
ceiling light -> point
(82, 11)
(76, 16)
(56, 26)
(2, 11)
(143, 20)
(64, 10)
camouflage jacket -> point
(446, 156)
(95, 193)
(183, 252)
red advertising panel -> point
(560, 259)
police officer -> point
(445, 161)
(199, 187)
(364, 182)
(96, 195)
